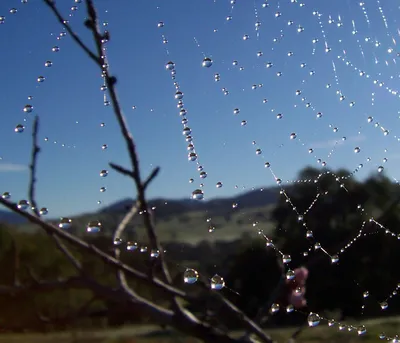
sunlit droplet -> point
(198, 194)
(65, 223)
(207, 62)
(190, 276)
(313, 319)
(217, 282)
(93, 226)
(23, 204)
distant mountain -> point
(217, 206)
(11, 218)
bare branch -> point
(74, 36)
(32, 187)
(32, 167)
(94, 250)
(121, 169)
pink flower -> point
(297, 288)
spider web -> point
(304, 80)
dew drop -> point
(117, 241)
(192, 156)
(219, 184)
(19, 128)
(160, 24)
(40, 79)
(103, 189)
(103, 173)
(178, 95)
(290, 274)
(65, 223)
(236, 111)
(217, 282)
(190, 276)
(55, 49)
(23, 204)
(274, 308)
(170, 66)
(384, 305)
(28, 108)
(293, 135)
(357, 150)
(207, 62)
(380, 169)
(6, 195)
(286, 259)
(43, 211)
(131, 246)
(335, 259)
(313, 319)
(361, 330)
(93, 226)
(198, 194)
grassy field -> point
(148, 334)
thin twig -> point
(74, 36)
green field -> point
(148, 334)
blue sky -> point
(70, 102)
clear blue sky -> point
(70, 102)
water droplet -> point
(309, 234)
(23, 204)
(55, 49)
(186, 131)
(198, 194)
(40, 79)
(93, 226)
(178, 95)
(103, 173)
(131, 246)
(104, 147)
(279, 116)
(43, 211)
(103, 189)
(219, 184)
(13, 10)
(217, 282)
(384, 305)
(19, 128)
(286, 259)
(357, 150)
(370, 119)
(65, 223)
(236, 111)
(366, 294)
(207, 62)
(28, 108)
(160, 24)
(258, 152)
(293, 135)
(335, 259)
(380, 169)
(170, 65)
(290, 274)
(361, 330)
(190, 276)
(243, 123)
(313, 319)
(274, 308)
(246, 37)
(267, 164)
(2, 19)
(192, 156)
(117, 241)
(6, 195)
(278, 181)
